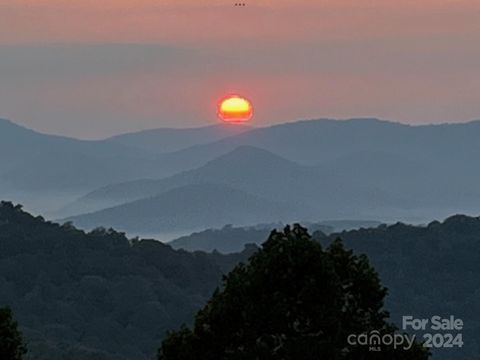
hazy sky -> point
(93, 68)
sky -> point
(95, 68)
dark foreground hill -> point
(101, 296)
(98, 295)
(430, 270)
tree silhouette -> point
(293, 300)
(11, 342)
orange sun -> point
(235, 109)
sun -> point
(235, 109)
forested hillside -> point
(429, 270)
(98, 295)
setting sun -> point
(235, 109)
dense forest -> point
(98, 295)
(12, 345)
(293, 300)
(429, 270)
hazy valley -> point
(313, 171)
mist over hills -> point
(390, 177)
(48, 171)
(53, 170)
(246, 168)
(34, 164)
(309, 192)
(190, 207)
(323, 169)
(231, 239)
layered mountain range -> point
(179, 180)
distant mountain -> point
(166, 140)
(231, 239)
(41, 168)
(225, 240)
(39, 162)
(313, 142)
(98, 295)
(190, 207)
(354, 169)
(245, 168)
(314, 192)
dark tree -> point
(293, 300)
(11, 342)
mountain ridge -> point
(189, 207)
(165, 140)
(222, 170)
(335, 148)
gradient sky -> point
(94, 68)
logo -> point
(374, 340)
